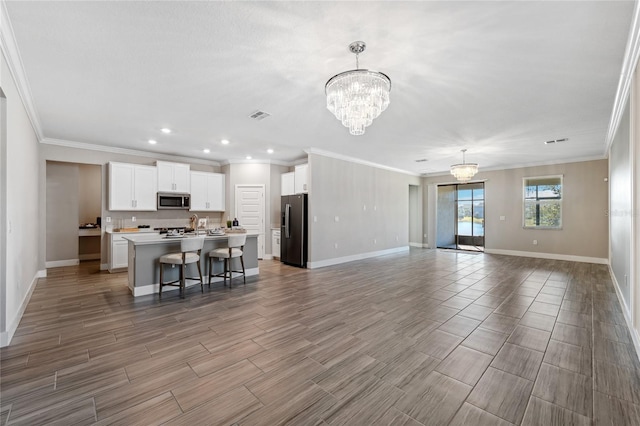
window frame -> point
(538, 201)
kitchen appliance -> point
(293, 230)
(168, 200)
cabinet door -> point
(121, 178)
(181, 178)
(287, 184)
(301, 179)
(145, 185)
(120, 252)
(199, 191)
(173, 177)
(216, 192)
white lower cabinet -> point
(118, 252)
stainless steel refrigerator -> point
(293, 230)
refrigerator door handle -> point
(287, 216)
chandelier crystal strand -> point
(465, 171)
(358, 96)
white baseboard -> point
(345, 259)
(6, 336)
(104, 266)
(89, 256)
(553, 256)
(153, 288)
(267, 257)
(627, 315)
(419, 245)
(59, 263)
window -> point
(543, 202)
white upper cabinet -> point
(132, 187)
(287, 185)
(302, 179)
(173, 177)
(207, 192)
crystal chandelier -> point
(357, 96)
(465, 171)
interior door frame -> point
(261, 235)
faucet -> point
(194, 223)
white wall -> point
(22, 266)
(372, 206)
(620, 207)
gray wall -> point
(621, 202)
(24, 257)
(415, 215)
(62, 211)
(89, 192)
(585, 225)
(370, 203)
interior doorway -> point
(460, 223)
(250, 211)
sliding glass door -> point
(460, 224)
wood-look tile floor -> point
(427, 337)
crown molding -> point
(126, 151)
(631, 54)
(524, 165)
(14, 61)
(330, 154)
(257, 161)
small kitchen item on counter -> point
(216, 232)
(229, 224)
(235, 222)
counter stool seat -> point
(190, 248)
(235, 249)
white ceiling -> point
(497, 78)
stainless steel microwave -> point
(168, 200)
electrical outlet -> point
(108, 218)
(375, 241)
(337, 219)
(315, 218)
(364, 207)
(535, 242)
(133, 218)
(503, 218)
(335, 245)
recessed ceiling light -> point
(224, 142)
(248, 157)
(206, 150)
(152, 142)
(270, 151)
(165, 130)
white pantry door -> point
(250, 211)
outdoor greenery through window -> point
(543, 202)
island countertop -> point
(145, 251)
(155, 238)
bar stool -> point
(235, 249)
(190, 248)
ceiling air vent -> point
(259, 115)
(422, 160)
(556, 141)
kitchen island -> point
(145, 250)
